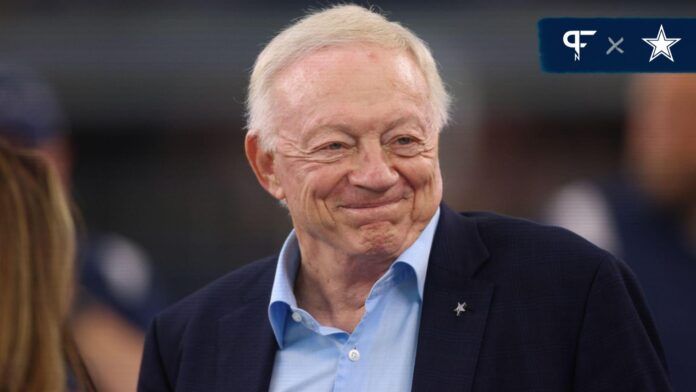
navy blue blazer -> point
(547, 311)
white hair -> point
(338, 25)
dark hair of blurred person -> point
(37, 267)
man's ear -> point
(262, 163)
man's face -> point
(356, 158)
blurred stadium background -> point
(154, 93)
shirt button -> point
(296, 316)
(354, 355)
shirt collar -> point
(418, 253)
(283, 298)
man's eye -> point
(334, 146)
(404, 140)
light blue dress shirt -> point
(380, 353)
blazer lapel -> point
(246, 345)
(448, 343)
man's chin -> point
(381, 238)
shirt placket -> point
(353, 358)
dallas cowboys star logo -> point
(661, 45)
(461, 307)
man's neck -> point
(334, 288)
(333, 285)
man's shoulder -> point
(224, 294)
(533, 244)
(550, 298)
(504, 231)
(182, 341)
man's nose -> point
(372, 170)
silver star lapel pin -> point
(461, 308)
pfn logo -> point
(576, 43)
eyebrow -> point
(313, 132)
(343, 128)
(403, 120)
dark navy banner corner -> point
(610, 45)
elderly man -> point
(380, 287)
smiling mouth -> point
(375, 204)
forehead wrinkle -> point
(324, 82)
(334, 62)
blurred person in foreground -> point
(37, 267)
(116, 296)
(380, 286)
(647, 215)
